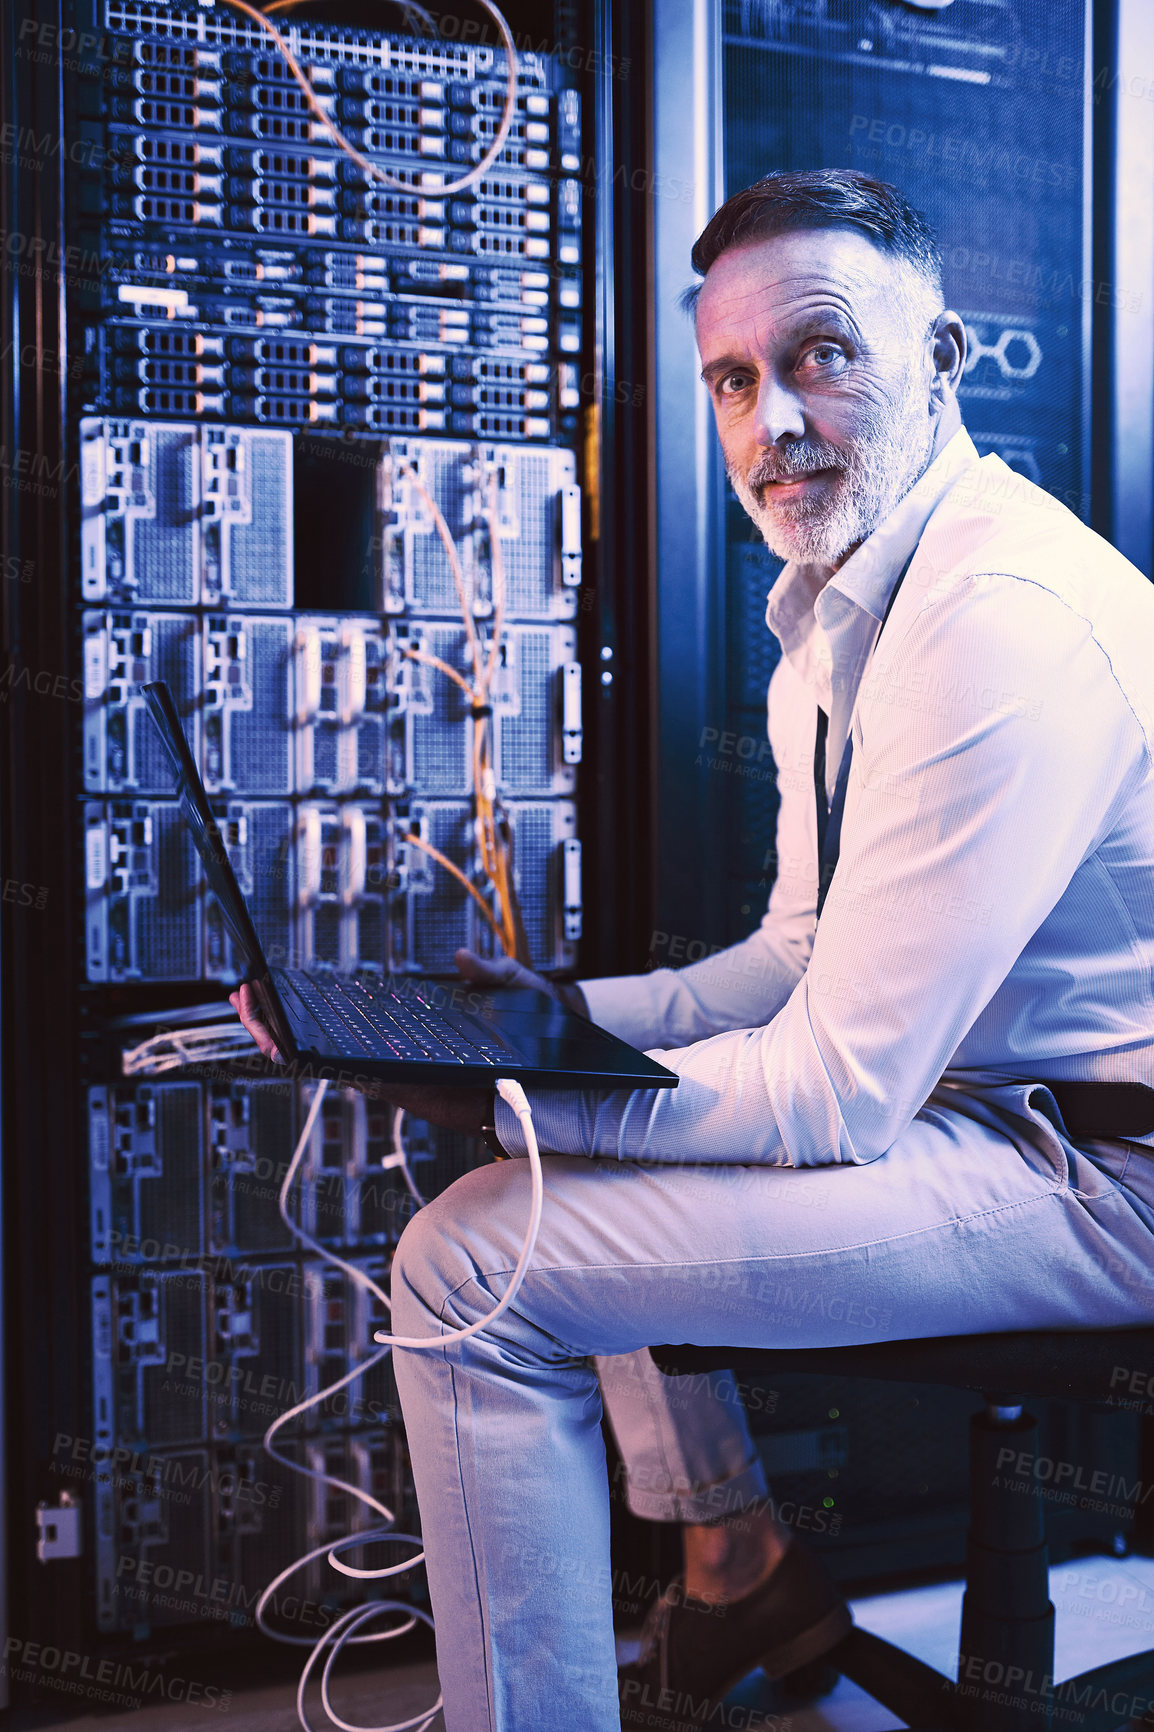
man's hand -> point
(466, 1110)
(247, 1006)
(454, 1109)
(503, 971)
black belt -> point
(1088, 1109)
(1104, 1109)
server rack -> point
(245, 383)
(301, 811)
(1015, 128)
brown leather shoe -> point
(693, 1652)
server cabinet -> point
(1023, 132)
(1020, 131)
(285, 437)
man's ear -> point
(948, 348)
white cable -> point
(343, 1630)
(175, 1048)
(400, 1157)
(512, 1093)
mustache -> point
(796, 460)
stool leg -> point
(1006, 1663)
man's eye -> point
(823, 354)
(733, 383)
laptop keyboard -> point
(379, 1022)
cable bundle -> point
(343, 1631)
(495, 849)
(494, 840)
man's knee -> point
(431, 1257)
(412, 1276)
(455, 1235)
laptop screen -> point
(197, 814)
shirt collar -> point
(800, 605)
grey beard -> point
(879, 471)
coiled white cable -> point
(514, 1095)
(343, 1630)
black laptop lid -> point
(197, 814)
(548, 1043)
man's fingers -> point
(245, 1004)
(500, 972)
(504, 971)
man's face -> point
(818, 361)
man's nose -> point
(779, 413)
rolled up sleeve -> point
(993, 749)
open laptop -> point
(386, 1028)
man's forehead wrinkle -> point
(785, 299)
(751, 324)
(855, 283)
(843, 275)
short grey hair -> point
(820, 198)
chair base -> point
(1006, 1661)
(1111, 1698)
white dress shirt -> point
(992, 913)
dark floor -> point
(1105, 1610)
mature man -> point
(862, 1145)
